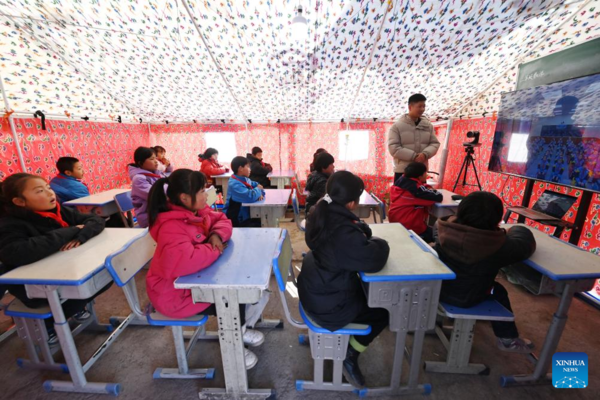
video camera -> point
(475, 142)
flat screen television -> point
(551, 133)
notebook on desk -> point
(551, 204)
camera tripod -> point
(470, 150)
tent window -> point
(353, 145)
(224, 142)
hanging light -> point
(299, 27)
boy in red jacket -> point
(411, 199)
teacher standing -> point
(411, 138)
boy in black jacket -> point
(475, 248)
(317, 180)
(258, 168)
(33, 226)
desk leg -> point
(63, 331)
(232, 351)
(553, 335)
(280, 183)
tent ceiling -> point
(193, 59)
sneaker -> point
(250, 358)
(253, 338)
(82, 316)
(351, 371)
(516, 345)
(52, 338)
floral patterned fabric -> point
(9, 161)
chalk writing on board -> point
(535, 75)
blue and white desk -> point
(446, 207)
(102, 204)
(239, 276)
(573, 270)
(75, 274)
(223, 181)
(272, 208)
(409, 288)
(280, 178)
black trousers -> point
(503, 329)
(397, 176)
(212, 310)
(377, 318)
(427, 235)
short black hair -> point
(237, 163)
(141, 154)
(480, 210)
(256, 150)
(208, 153)
(66, 164)
(415, 169)
(415, 98)
(323, 161)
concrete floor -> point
(139, 350)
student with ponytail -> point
(210, 165)
(33, 226)
(143, 173)
(190, 237)
(341, 246)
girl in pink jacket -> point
(190, 236)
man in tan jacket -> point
(411, 138)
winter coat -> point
(406, 139)
(240, 190)
(410, 202)
(259, 170)
(141, 183)
(163, 168)
(181, 249)
(27, 237)
(328, 285)
(476, 256)
(316, 185)
(211, 168)
(68, 188)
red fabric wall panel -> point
(9, 162)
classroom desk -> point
(102, 204)
(239, 276)
(75, 274)
(223, 181)
(446, 207)
(409, 288)
(272, 208)
(573, 270)
(280, 178)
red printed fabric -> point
(9, 162)
(105, 149)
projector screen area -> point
(551, 133)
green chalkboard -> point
(575, 62)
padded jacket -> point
(329, 287)
(406, 139)
(476, 256)
(259, 170)
(68, 188)
(240, 190)
(141, 183)
(410, 202)
(211, 168)
(181, 249)
(316, 184)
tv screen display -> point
(551, 133)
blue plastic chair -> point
(300, 222)
(125, 206)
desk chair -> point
(300, 222)
(324, 344)
(461, 340)
(6, 334)
(125, 206)
(123, 265)
(298, 187)
(381, 209)
(212, 196)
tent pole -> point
(247, 138)
(12, 126)
(444, 159)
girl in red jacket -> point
(189, 237)
(210, 165)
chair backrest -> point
(381, 206)
(296, 209)
(126, 262)
(125, 206)
(282, 263)
(212, 196)
(298, 186)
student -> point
(143, 173)
(475, 248)
(259, 169)
(411, 199)
(341, 245)
(240, 189)
(210, 165)
(189, 238)
(317, 180)
(312, 164)
(67, 184)
(164, 165)
(34, 226)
